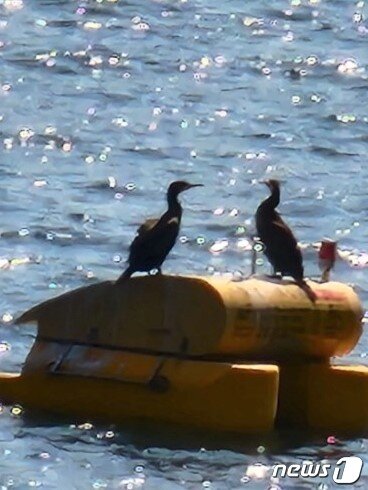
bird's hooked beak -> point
(269, 183)
(189, 186)
(265, 182)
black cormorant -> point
(156, 237)
(281, 247)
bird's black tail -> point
(125, 275)
(307, 289)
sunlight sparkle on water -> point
(16, 410)
(113, 60)
(315, 98)
(221, 113)
(34, 483)
(25, 134)
(257, 471)
(141, 26)
(4, 347)
(288, 37)
(40, 183)
(219, 246)
(348, 66)
(205, 62)
(346, 118)
(219, 211)
(13, 4)
(95, 60)
(112, 182)
(251, 21)
(132, 483)
(200, 240)
(7, 317)
(120, 122)
(67, 146)
(244, 244)
(90, 25)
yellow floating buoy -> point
(253, 319)
(323, 396)
(216, 396)
(205, 352)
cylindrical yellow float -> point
(210, 395)
(178, 349)
(210, 317)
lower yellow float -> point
(206, 352)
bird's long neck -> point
(174, 205)
(273, 200)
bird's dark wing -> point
(272, 228)
(152, 229)
(147, 225)
(282, 250)
(282, 231)
(155, 239)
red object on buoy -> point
(328, 250)
(327, 257)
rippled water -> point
(103, 103)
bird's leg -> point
(125, 275)
(159, 271)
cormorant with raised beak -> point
(156, 237)
(281, 247)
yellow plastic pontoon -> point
(198, 351)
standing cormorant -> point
(156, 237)
(281, 247)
